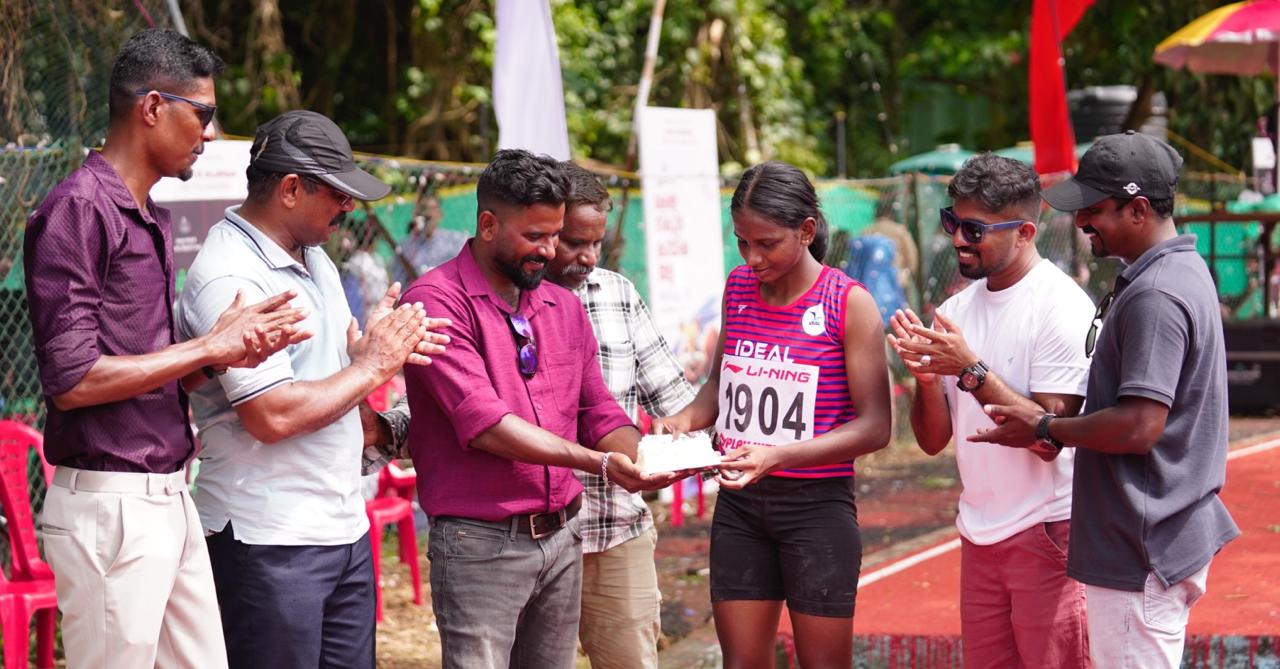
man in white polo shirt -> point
(1014, 336)
(279, 486)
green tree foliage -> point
(413, 77)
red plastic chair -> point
(385, 510)
(386, 395)
(396, 482)
(29, 591)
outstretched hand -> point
(623, 472)
(1015, 426)
(745, 465)
(677, 425)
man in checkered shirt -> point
(620, 600)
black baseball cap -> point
(1126, 165)
(304, 142)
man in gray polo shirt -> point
(279, 486)
(1147, 519)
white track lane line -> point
(1256, 448)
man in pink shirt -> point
(499, 423)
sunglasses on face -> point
(204, 112)
(527, 359)
(972, 231)
(1091, 339)
(343, 198)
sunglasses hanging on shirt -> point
(527, 358)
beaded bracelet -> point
(604, 468)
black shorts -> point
(788, 539)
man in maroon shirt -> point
(119, 527)
(496, 428)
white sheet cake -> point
(662, 453)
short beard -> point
(1099, 249)
(186, 174)
(978, 272)
(522, 280)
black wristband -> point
(1042, 431)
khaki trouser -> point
(132, 572)
(620, 603)
(1145, 629)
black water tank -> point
(1101, 110)
(1253, 365)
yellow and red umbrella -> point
(1241, 38)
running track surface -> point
(920, 594)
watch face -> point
(967, 380)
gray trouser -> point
(503, 599)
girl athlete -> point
(798, 389)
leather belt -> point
(533, 525)
(539, 525)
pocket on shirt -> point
(620, 351)
(564, 372)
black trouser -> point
(295, 606)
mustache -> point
(534, 259)
(1089, 230)
(577, 269)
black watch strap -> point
(1042, 431)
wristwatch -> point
(971, 377)
(1042, 431)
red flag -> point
(1051, 132)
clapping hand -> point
(928, 352)
(431, 342)
(244, 336)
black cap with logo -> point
(304, 142)
(1126, 165)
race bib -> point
(766, 401)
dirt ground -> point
(904, 499)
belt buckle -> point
(533, 524)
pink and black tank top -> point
(783, 376)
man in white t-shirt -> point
(1015, 335)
